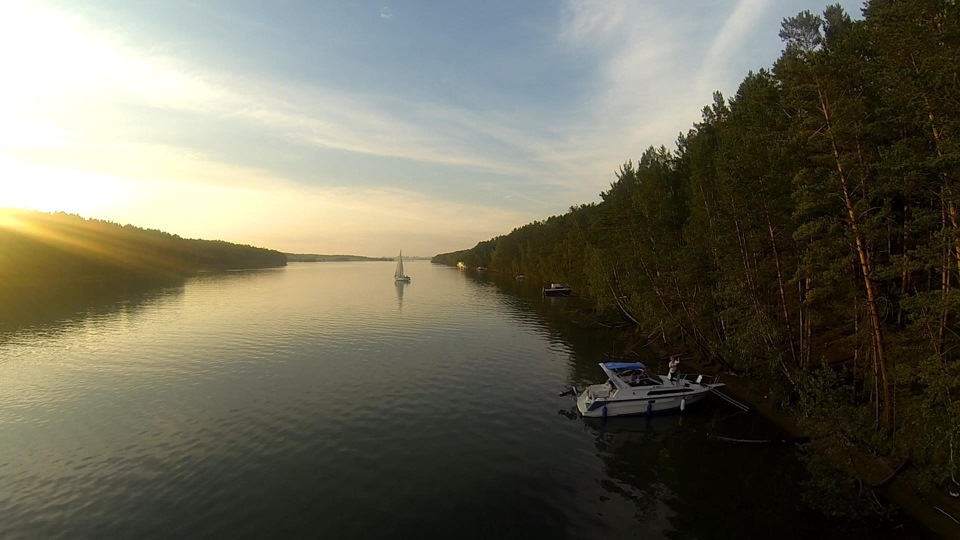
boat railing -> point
(699, 378)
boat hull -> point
(557, 292)
(556, 289)
(635, 405)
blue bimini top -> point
(624, 365)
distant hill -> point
(313, 257)
(39, 247)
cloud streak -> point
(103, 104)
(729, 39)
(642, 95)
(88, 69)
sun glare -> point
(58, 190)
(50, 55)
(8, 219)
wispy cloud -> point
(52, 57)
(106, 104)
(596, 23)
(643, 89)
(735, 29)
(84, 70)
(502, 142)
(364, 124)
(195, 196)
(630, 44)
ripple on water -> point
(318, 400)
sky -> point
(355, 127)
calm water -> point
(323, 400)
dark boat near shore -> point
(556, 289)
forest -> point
(38, 248)
(805, 232)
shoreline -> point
(898, 488)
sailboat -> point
(398, 274)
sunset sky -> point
(354, 126)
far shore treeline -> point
(38, 248)
(805, 232)
(312, 257)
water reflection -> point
(50, 307)
(400, 286)
(568, 322)
(296, 402)
(683, 483)
(679, 481)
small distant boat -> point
(632, 389)
(556, 289)
(481, 269)
(521, 277)
(398, 274)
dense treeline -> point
(37, 248)
(805, 231)
(480, 255)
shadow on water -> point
(568, 319)
(55, 304)
(672, 465)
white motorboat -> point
(632, 389)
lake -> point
(324, 400)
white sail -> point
(398, 274)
